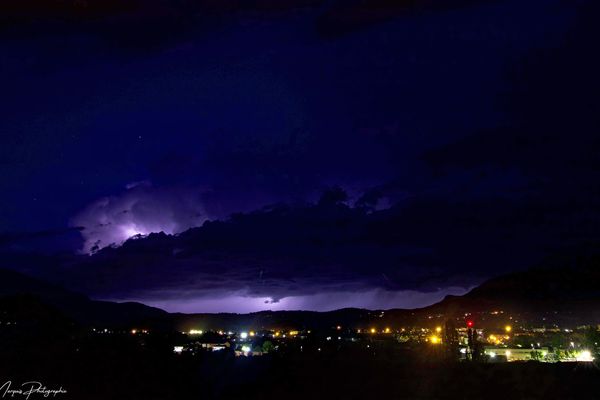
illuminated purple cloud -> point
(315, 257)
(140, 210)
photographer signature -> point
(28, 389)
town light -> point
(494, 339)
(470, 324)
(585, 356)
(373, 330)
(438, 329)
(434, 339)
(244, 335)
(508, 328)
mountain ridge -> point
(569, 294)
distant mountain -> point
(541, 296)
(552, 294)
(534, 289)
(19, 288)
(271, 320)
(568, 296)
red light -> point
(470, 324)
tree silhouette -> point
(450, 341)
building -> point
(517, 354)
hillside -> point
(541, 296)
(70, 305)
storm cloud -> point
(294, 256)
(139, 210)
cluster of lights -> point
(246, 334)
(494, 339)
(374, 330)
(434, 339)
(101, 330)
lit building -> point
(517, 354)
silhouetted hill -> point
(535, 289)
(284, 320)
(73, 306)
(564, 289)
(549, 295)
(552, 294)
(30, 312)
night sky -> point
(326, 154)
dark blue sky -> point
(258, 107)
(161, 117)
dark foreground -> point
(116, 373)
